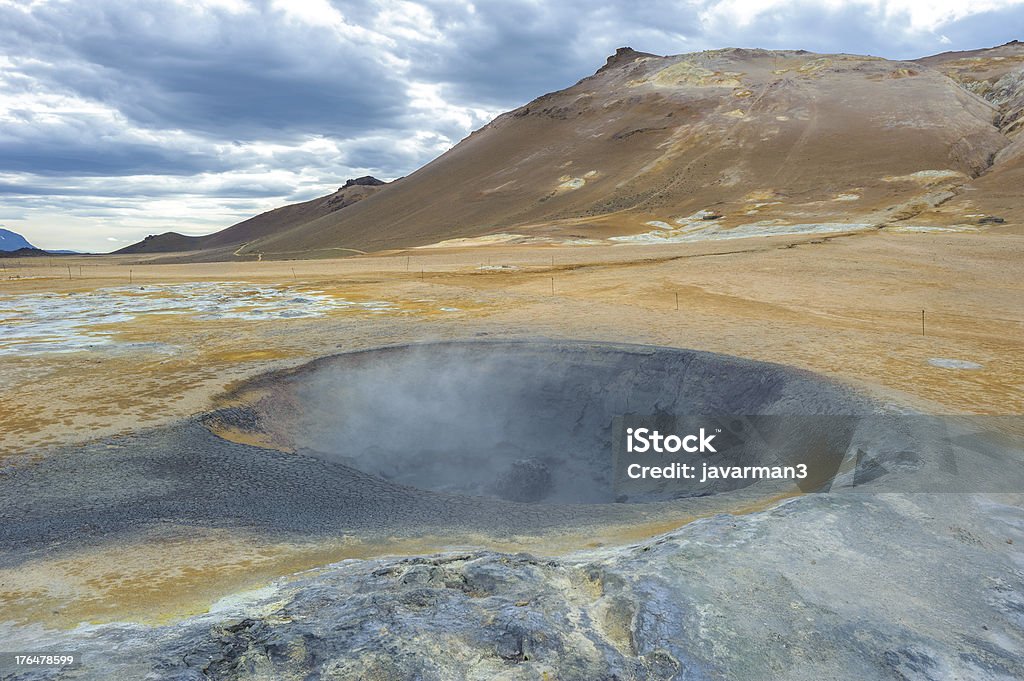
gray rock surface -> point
(838, 586)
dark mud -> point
(458, 426)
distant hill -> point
(223, 244)
(12, 241)
(24, 253)
(168, 242)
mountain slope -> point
(997, 75)
(223, 243)
(12, 241)
(754, 135)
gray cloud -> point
(224, 190)
(986, 29)
(240, 75)
(83, 157)
(510, 52)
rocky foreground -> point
(852, 586)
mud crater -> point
(525, 421)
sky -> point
(123, 119)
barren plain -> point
(845, 306)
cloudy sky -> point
(121, 119)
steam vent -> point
(524, 421)
(481, 439)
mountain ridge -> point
(760, 136)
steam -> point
(460, 420)
(520, 421)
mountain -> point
(223, 244)
(12, 241)
(756, 139)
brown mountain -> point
(758, 139)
